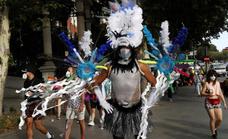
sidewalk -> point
(185, 118)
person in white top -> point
(214, 95)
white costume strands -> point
(47, 91)
(160, 87)
(74, 86)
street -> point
(184, 118)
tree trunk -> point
(4, 52)
(80, 18)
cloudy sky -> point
(221, 42)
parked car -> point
(220, 68)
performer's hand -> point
(28, 94)
(162, 83)
(108, 108)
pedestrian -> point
(75, 108)
(225, 87)
(198, 82)
(87, 104)
(30, 80)
(59, 76)
(94, 104)
(212, 91)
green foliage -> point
(212, 52)
(26, 18)
(203, 18)
(29, 12)
(2, 2)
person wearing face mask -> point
(214, 95)
(75, 108)
(125, 72)
(30, 80)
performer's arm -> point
(95, 87)
(147, 73)
(100, 78)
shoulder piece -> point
(139, 65)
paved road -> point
(185, 118)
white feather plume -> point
(127, 23)
(164, 35)
(85, 43)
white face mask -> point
(68, 74)
(125, 53)
(25, 76)
(212, 78)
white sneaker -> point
(101, 121)
(91, 123)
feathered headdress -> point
(125, 25)
(85, 43)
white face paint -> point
(68, 74)
(25, 76)
(213, 78)
(125, 53)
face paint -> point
(25, 76)
(213, 78)
(125, 53)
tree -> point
(211, 51)
(4, 50)
(26, 26)
(24, 18)
(203, 18)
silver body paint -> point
(126, 89)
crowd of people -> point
(208, 87)
(117, 90)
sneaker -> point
(52, 136)
(101, 121)
(91, 123)
(170, 100)
(61, 135)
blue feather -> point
(165, 65)
(102, 50)
(149, 37)
(70, 46)
(86, 70)
(179, 40)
